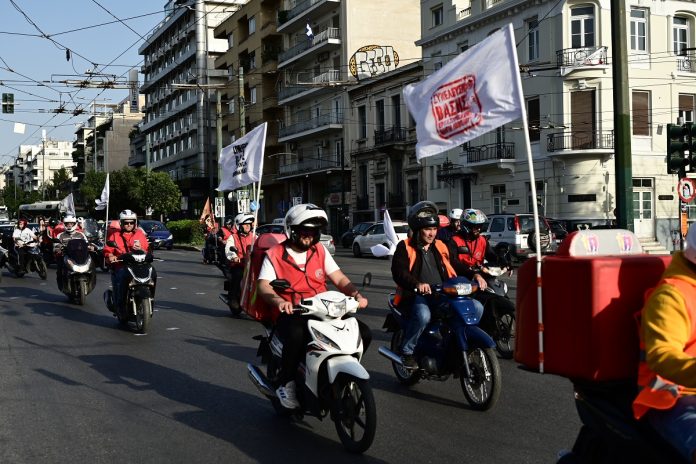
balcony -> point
(572, 59)
(302, 9)
(492, 3)
(492, 152)
(313, 126)
(308, 166)
(580, 141)
(308, 84)
(687, 63)
(331, 35)
(187, 173)
(393, 136)
(464, 13)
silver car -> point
(328, 242)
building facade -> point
(567, 82)
(36, 164)
(179, 85)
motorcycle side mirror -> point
(367, 279)
(280, 284)
(111, 243)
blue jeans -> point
(677, 425)
(117, 279)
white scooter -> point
(331, 380)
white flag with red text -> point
(476, 92)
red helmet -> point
(444, 220)
(22, 221)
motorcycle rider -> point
(446, 233)
(129, 238)
(419, 262)
(667, 370)
(70, 232)
(20, 236)
(236, 252)
(306, 264)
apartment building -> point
(328, 47)
(36, 164)
(179, 85)
(567, 81)
(385, 174)
(250, 98)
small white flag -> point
(476, 92)
(596, 57)
(309, 32)
(19, 128)
(103, 201)
(380, 250)
(67, 205)
(242, 160)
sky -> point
(31, 65)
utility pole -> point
(218, 136)
(622, 119)
(242, 104)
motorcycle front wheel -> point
(143, 315)
(82, 293)
(505, 335)
(41, 268)
(482, 387)
(355, 414)
(407, 377)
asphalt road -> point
(75, 387)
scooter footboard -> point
(474, 336)
(347, 364)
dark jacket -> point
(408, 279)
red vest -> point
(655, 391)
(308, 281)
(477, 250)
(225, 233)
(242, 244)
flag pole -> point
(535, 208)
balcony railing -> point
(300, 7)
(393, 135)
(305, 44)
(491, 152)
(323, 120)
(492, 3)
(686, 63)
(585, 56)
(309, 165)
(187, 173)
(580, 140)
(464, 13)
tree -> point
(12, 199)
(91, 189)
(60, 186)
(160, 193)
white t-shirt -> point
(268, 273)
(25, 235)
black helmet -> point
(423, 214)
(229, 221)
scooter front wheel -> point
(354, 413)
(82, 293)
(41, 269)
(143, 315)
(482, 387)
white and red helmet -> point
(305, 215)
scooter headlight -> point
(335, 308)
(324, 340)
(458, 289)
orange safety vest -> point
(413, 253)
(657, 392)
(308, 281)
(477, 250)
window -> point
(582, 27)
(533, 38)
(534, 119)
(497, 224)
(687, 103)
(437, 15)
(230, 106)
(437, 60)
(379, 115)
(463, 46)
(252, 25)
(498, 198)
(396, 110)
(641, 112)
(252, 60)
(680, 35)
(252, 95)
(540, 197)
(362, 122)
(230, 41)
(639, 27)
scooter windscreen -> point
(77, 250)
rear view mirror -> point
(367, 279)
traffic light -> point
(8, 103)
(677, 149)
(691, 140)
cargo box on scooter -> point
(591, 290)
(251, 302)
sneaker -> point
(409, 361)
(287, 397)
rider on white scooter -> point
(70, 232)
(22, 235)
(305, 264)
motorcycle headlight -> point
(459, 289)
(335, 308)
(324, 340)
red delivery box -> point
(589, 301)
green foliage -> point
(187, 231)
(13, 198)
(91, 189)
(59, 187)
(160, 193)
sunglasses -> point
(128, 223)
(308, 231)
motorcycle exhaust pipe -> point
(223, 298)
(390, 355)
(260, 381)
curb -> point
(179, 246)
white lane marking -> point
(139, 335)
(200, 293)
(172, 328)
(173, 288)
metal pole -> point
(242, 104)
(218, 136)
(622, 127)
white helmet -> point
(127, 215)
(456, 213)
(243, 218)
(307, 215)
(69, 222)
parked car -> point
(357, 229)
(375, 235)
(328, 242)
(160, 236)
(516, 230)
(558, 229)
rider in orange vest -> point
(667, 371)
(305, 264)
(418, 263)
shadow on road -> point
(225, 348)
(246, 421)
(387, 383)
(166, 305)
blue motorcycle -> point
(451, 345)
